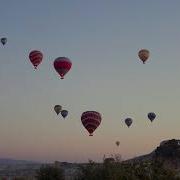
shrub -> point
(116, 170)
(47, 172)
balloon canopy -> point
(91, 120)
(62, 65)
(64, 113)
(117, 143)
(128, 121)
(3, 40)
(151, 116)
(57, 109)
(35, 58)
(143, 55)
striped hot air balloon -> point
(143, 55)
(62, 65)
(91, 120)
(35, 58)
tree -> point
(47, 172)
(114, 169)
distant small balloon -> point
(57, 109)
(64, 113)
(117, 143)
(35, 58)
(143, 55)
(151, 116)
(3, 40)
(128, 122)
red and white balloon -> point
(62, 65)
(91, 120)
(35, 58)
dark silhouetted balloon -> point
(3, 40)
(143, 55)
(128, 121)
(64, 113)
(117, 143)
(151, 116)
(57, 109)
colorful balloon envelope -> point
(64, 113)
(62, 65)
(128, 122)
(91, 120)
(143, 55)
(35, 58)
(57, 109)
(151, 116)
(3, 40)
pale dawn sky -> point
(102, 38)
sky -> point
(102, 38)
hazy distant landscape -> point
(168, 153)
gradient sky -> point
(102, 38)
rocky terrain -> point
(168, 152)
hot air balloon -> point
(35, 58)
(91, 120)
(3, 40)
(128, 122)
(117, 143)
(57, 109)
(143, 55)
(62, 65)
(151, 116)
(64, 113)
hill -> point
(167, 152)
